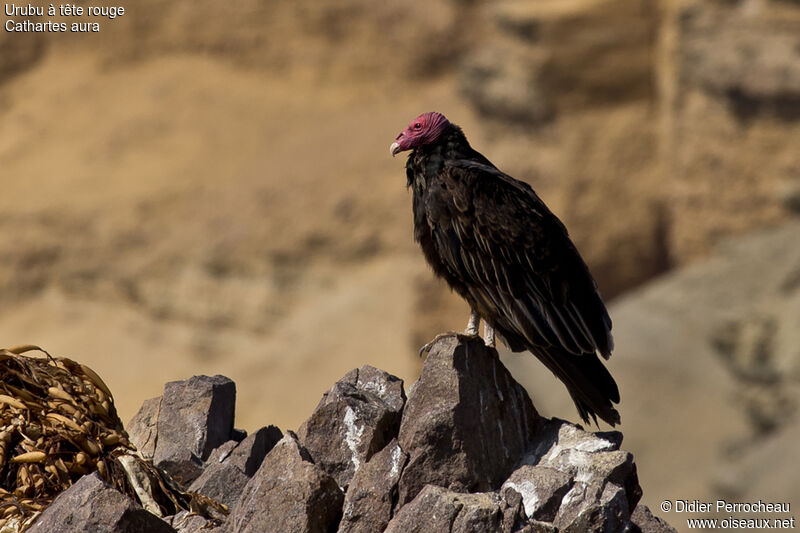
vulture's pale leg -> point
(488, 333)
(473, 324)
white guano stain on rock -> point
(530, 498)
(595, 445)
(353, 435)
(376, 387)
(581, 464)
(574, 494)
(397, 455)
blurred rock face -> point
(672, 123)
(738, 120)
(651, 129)
(723, 336)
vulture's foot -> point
(488, 335)
(473, 324)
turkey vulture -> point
(499, 246)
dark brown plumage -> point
(499, 246)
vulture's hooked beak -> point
(395, 149)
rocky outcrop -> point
(371, 497)
(287, 493)
(466, 451)
(93, 505)
(195, 417)
(231, 466)
(466, 423)
(355, 419)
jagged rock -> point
(643, 521)
(586, 457)
(92, 505)
(196, 416)
(577, 480)
(353, 420)
(187, 522)
(231, 465)
(466, 421)
(542, 490)
(369, 499)
(442, 510)
(249, 453)
(467, 452)
(593, 506)
(142, 428)
(288, 493)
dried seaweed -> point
(57, 423)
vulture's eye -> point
(417, 126)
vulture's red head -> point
(424, 129)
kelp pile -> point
(58, 423)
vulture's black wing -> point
(525, 277)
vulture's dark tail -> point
(591, 386)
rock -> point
(735, 129)
(643, 521)
(186, 522)
(576, 480)
(504, 82)
(541, 488)
(230, 466)
(788, 195)
(222, 482)
(372, 492)
(468, 453)
(196, 416)
(288, 493)
(249, 453)
(746, 55)
(92, 505)
(586, 457)
(466, 421)
(546, 56)
(357, 417)
(142, 428)
(442, 510)
(593, 506)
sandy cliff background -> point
(206, 187)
